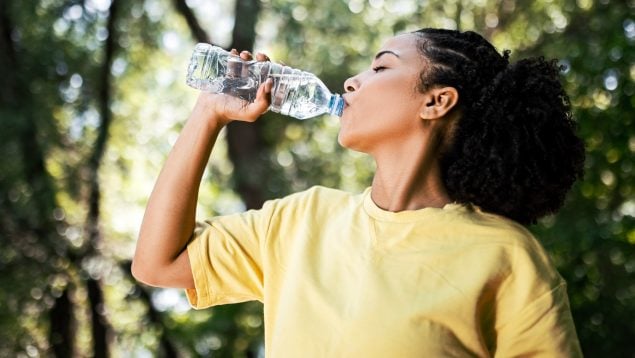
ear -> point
(438, 102)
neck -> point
(410, 180)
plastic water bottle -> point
(295, 93)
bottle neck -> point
(336, 105)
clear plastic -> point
(295, 93)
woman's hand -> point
(224, 108)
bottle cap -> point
(336, 105)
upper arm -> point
(544, 328)
(533, 314)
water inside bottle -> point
(207, 73)
(299, 95)
(295, 93)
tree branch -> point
(100, 326)
(195, 28)
(104, 99)
(244, 140)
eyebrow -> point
(385, 52)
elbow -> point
(158, 268)
(137, 272)
(163, 275)
(143, 273)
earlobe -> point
(438, 102)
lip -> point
(346, 104)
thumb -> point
(263, 98)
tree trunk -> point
(39, 221)
(195, 28)
(62, 333)
(7, 56)
(244, 140)
(99, 324)
(165, 345)
(12, 92)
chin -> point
(349, 142)
(344, 140)
(341, 139)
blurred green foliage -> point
(52, 57)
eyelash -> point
(379, 68)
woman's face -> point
(382, 104)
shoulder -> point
(530, 257)
(498, 227)
(528, 283)
(521, 253)
(484, 227)
(307, 204)
(532, 274)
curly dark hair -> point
(514, 150)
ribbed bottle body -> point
(295, 93)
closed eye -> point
(379, 68)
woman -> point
(432, 259)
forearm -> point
(170, 215)
(168, 224)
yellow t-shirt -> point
(340, 277)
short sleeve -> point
(536, 318)
(226, 257)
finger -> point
(263, 98)
(234, 52)
(246, 55)
(262, 57)
(268, 85)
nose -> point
(351, 84)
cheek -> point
(388, 99)
(379, 114)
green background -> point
(92, 95)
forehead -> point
(404, 45)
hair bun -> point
(521, 131)
(522, 88)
